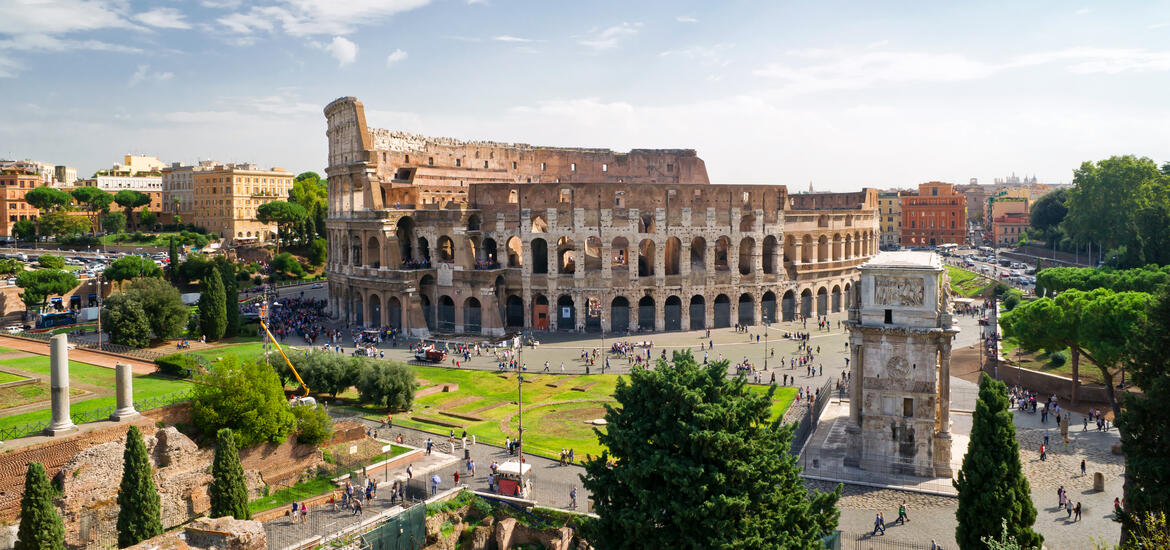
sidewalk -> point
(79, 355)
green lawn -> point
(298, 492)
(152, 239)
(1039, 361)
(967, 283)
(9, 350)
(145, 386)
(6, 377)
(557, 421)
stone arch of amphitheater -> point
(433, 235)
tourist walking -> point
(902, 517)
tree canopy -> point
(385, 383)
(1123, 204)
(130, 199)
(145, 306)
(1145, 420)
(51, 261)
(39, 284)
(139, 509)
(94, 201)
(994, 495)
(47, 199)
(128, 268)
(692, 461)
(326, 372)
(246, 397)
(59, 223)
(228, 493)
(282, 213)
(25, 230)
(213, 306)
(1150, 279)
(41, 527)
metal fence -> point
(106, 346)
(83, 417)
(812, 414)
(869, 541)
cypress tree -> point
(229, 495)
(140, 516)
(231, 291)
(212, 306)
(993, 492)
(173, 266)
(40, 525)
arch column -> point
(659, 314)
(579, 260)
(684, 313)
(659, 264)
(798, 252)
(606, 261)
(709, 261)
(684, 259)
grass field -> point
(554, 417)
(967, 283)
(1039, 361)
(9, 350)
(9, 377)
(145, 386)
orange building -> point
(935, 215)
(13, 208)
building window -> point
(458, 162)
(405, 159)
(669, 167)
(907, 407)
(573, 167)
(485, 164)
(934, 191)
(430, 161)
(604, 167)
(889, 316)
(513, 165)
(542, 167)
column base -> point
(942, 455)
(853, 445)
(60, 429)
(122, 415)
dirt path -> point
(79, 355)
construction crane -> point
(289, 363)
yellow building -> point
(223, 198)
(890, 217)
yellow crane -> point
(290, 365)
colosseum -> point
(437, 235)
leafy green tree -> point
(113, 222)
(229, 494)
(231, 293)
(48, 199)
(10, 267)
(285, 215)
(94, 201)
(128, 268)
(692, 460)
(126, 320)
(1114, 203)
(41, 527)
(1145, 420)
(1149, 279)
(195, 268)
(60, 223)
(139, 514)
(314, 426)
(1005, 542)
(162, 304)
(386, 383)
(993, 493)
(39, 284)
(51, 261)
(1048, 213)
(246, 397)
(25, 230)
(213, 307)
(325, 372)
(129, 200)
(317, 252)
(286, 266)
(147, 217)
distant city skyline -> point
(842, 94)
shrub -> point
(51, 261)
(314, 426)
(246, 397)
(1058, 359)
(386, 384)
(177, 365)
(1012, 299)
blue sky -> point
(843, 94)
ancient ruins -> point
(441, 235)
(900, 339)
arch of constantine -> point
(439, 235)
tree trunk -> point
(1076, 373)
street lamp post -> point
(100, 285)
(765, 319)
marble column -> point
(124, 378)
(59, 384)
(944, 388)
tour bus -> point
(948, 249)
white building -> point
(113, 184)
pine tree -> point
(212, 306)
(1145, 420)
(993, 491)
(229, 496)
(140, 515)
(173, 265)
(693, 461)
(40, 525)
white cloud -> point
(612, 36)
(509, 38)
(686, 19)
(474, 2)
(343, 50)
(47, 43)
(1158, 26)
(316, 17)
(1082, 11)
(710, 55)
(163, 18)
(395, 56)
(816, 70)
(144, 74)
(58, 16)
(8, 67)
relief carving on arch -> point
(898, 291)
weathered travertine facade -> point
(900, 338)
(440, 235)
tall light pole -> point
(765, 319)
(100, 285)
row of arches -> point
(622, 313)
